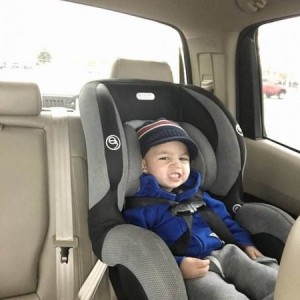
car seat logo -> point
(239, 130)
(145, 96)
(113, 142)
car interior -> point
(69, 158)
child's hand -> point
(252, 252)
(191, 267)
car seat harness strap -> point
(186, 209)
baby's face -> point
(169, 163)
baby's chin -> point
(171, 187)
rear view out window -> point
(62, 45)
(279, 50)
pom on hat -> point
(163, 131)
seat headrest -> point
(20, 99)
(140, 69)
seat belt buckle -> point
(64, 255)
(65, 246)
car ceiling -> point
(198, 17)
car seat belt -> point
(64, 240)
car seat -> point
(141, 265)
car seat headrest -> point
(140, 69)
(206, 161)
(185, 104)
(20, 99)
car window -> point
(61, 45)
(279, 48)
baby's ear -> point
(144, 166)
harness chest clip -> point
(188, 207)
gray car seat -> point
(141, 265)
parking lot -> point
(281, 117)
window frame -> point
(249, 96)
(249, 109)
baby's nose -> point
(176, 162)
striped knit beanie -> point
(162, 131)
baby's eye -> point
(185, 159)
(163, 158)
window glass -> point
(61, 45)
(279, 48)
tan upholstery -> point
(25, 100)
(23, 213)
(139, 69)
(27, 210)
(288, 283)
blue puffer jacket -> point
(158, 219)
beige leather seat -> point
(288, 283)
(27, 198)
(140, 69)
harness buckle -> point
(188, 207)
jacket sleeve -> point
(241, 235)
(179, 259)
(138, 216)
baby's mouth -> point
(175, 175)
